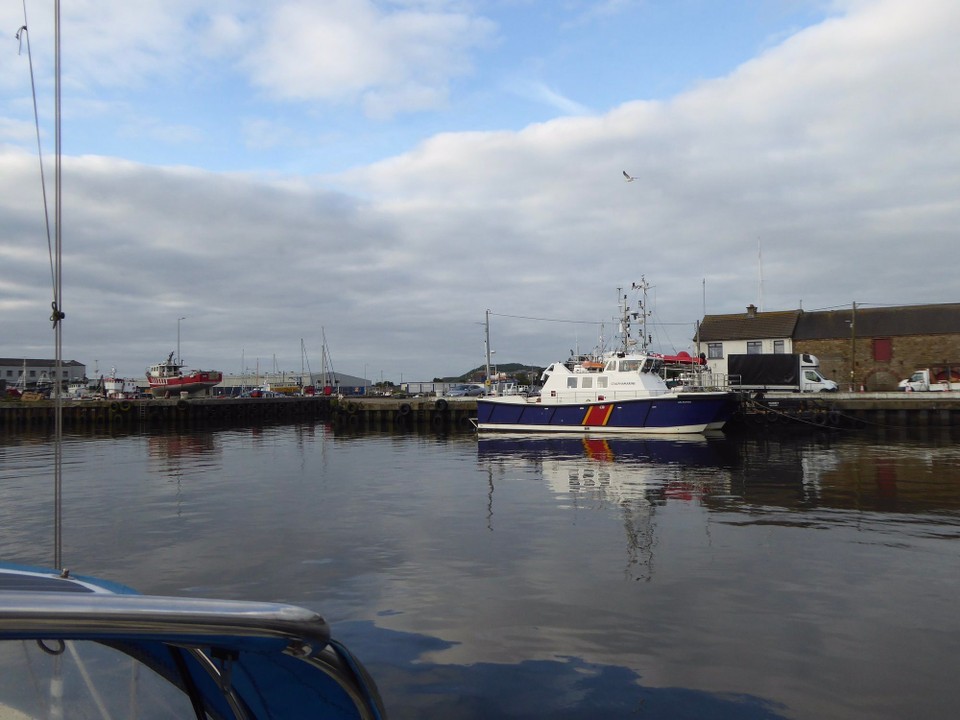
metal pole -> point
(487, 341)
(853, 347)
(178, 338)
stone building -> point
(872, 348)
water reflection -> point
(912, 476)
(818, 482)
(529, 577)
(630, 476)
(916, 476)
(565, 687)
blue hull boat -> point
(83, 647)
(674, 413)
(619, 391)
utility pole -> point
(487, 341)
(853, 347)
(178, 337)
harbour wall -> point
(843, 410)
(355, 413)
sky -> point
(252, 179)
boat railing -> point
(701, 380)
(593, 396)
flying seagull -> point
(628, 178)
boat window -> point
(572, 383)
(95, 681)
(629, 365)
(587, 382)
(602, 381)
(611, 366)
(647, 365)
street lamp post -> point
(178, 337)
(853, 348)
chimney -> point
(751, 311)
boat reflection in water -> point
(633, 476)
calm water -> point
(805, 577)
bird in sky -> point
(628, 178)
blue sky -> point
(199, 94)
(388, 170)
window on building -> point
(33, 373)
(882, 349)
(714, 351)
(778, 347)
(754, 347)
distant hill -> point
(511, 369)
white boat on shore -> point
(118, 388)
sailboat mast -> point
(57, 315)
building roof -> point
(880, 322)
(37, 362)
(750, 325)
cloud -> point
(391, 60)
(834, 150)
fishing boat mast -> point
(628, 317)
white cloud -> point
(392, 60)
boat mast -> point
(627, 318)
(487, 343)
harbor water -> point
(756, 576)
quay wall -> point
(849, 410)
(358, 413)
(852, 409)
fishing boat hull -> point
(197, 382)
(671, 414)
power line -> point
(571, 322)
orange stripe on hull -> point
(598, 415)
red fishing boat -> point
(167, 379)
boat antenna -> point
(640, 314)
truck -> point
(783, 372)
(943, 378)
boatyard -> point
(834, 410)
